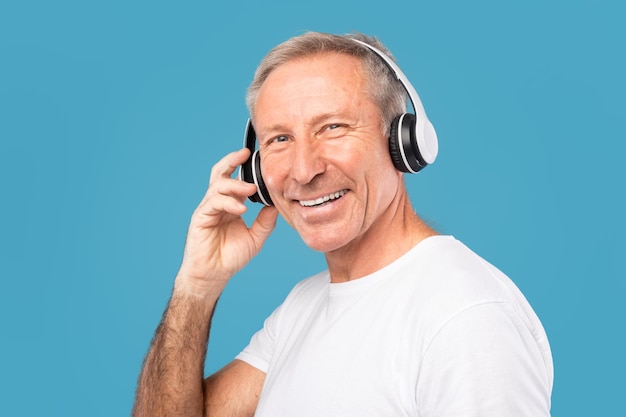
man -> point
(404, 322)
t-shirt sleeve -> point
(484, 362)
(263, 344)
(259, 351)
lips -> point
(322, 200)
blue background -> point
(112, 113)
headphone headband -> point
(424, 130)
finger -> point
(235, 188)
(263, 225)
(225, 167)
(229, 187)
(211, 213)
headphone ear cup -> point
(262, 195)
(395, 142)
(250, 171)
(403, 146)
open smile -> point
(322, 200)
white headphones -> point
(412, 138)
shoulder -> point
(443, 266)
(444, 278)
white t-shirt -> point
(439, 332)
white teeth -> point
(321, 200)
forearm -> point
(218, 244)
(171, 382)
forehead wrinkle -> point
(309, 91)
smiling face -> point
(324, 158)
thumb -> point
(263, 225)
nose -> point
(307, 162)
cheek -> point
(377, 160)
(274, 177)
(270, 173)
(384, 157)
(384, 180)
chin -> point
(325, 244)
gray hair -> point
(383, 87)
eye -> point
(278, 139)
(334, 130)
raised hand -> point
(219, 243)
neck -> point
(390, 237)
